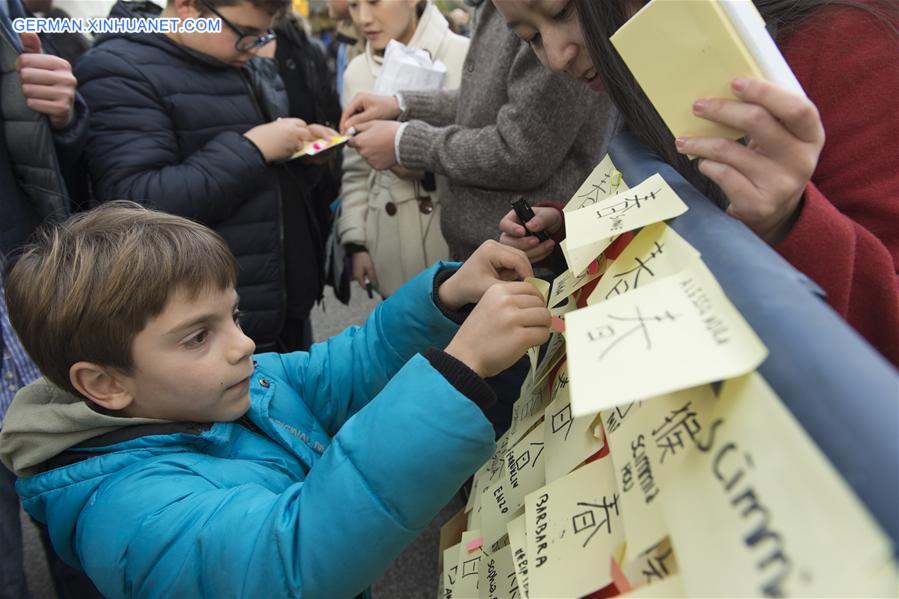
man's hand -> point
(513, 234)
(375, 142)
(490, 264)
(510, 318)
(47, 82)
(366, 107)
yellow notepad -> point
(680, 51)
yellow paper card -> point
(703, 54)
(490, 471)
(578, 259)
(646, 440)
(573, 525)
(604, 181)
(524, 472)
(555, 351)
(651, 566)
(650, 202)
(567, 283)
(756, 509)
(656, 252)
(668, 588)
(679, 332)
(450, 570)
(468, 566)
(540, 285)
(569, 441)
(497, 576)
(527, 410)
(518, 546)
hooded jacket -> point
(166, 130)
(345, 454)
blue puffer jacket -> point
(346, 453)
(166, 130)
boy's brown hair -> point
(85, 288)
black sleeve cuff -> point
(354, 248)
(457, 316)
(464, 379)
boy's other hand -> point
(489, 264)
(47, 82)
(280, 139)
(513, 234)
(510, 318)
(366, 107)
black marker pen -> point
(524, 213)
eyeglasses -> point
(245, 41)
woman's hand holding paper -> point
(764, 180)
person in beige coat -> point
(389, 220)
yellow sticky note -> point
(567, 283)
(573, 525)
(679, 332)
(650, 202)
(527, 410)
(518, 547)
(569, 441)
(468, 567)
(756, 509)
(703, 54)
(450, 570)
(524, 472)
(656, 252)
(497, 576)
(605, 180)
(652, 565)
(540, 285)
(578, 259)
(555, 351)
(646, 440)
(667, 588)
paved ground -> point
(412, 576)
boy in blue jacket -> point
(168, 460)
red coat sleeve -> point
(846, 237)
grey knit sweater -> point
(513, 128)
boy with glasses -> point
(196, 124)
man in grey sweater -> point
(512, 129)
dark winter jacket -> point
(166, 130)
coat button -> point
(264, 383)
(390, 208)
(469, 66)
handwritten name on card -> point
(679, 332)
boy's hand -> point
(510, 318)
(280, 139)
(489, 264)
(47, 82)
(366, 107)
(513, 234)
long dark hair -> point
(599, 19)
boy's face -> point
(192, 363)
(245, 16)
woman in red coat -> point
(831, 208)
